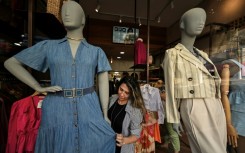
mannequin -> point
(193, 89)
(232, 96)
(67, 119)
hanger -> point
(36, 93)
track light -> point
(120, 19)
(111, 60)
(139, 22)
(158, 19)
(97, 8)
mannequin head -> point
(72, 14)
(192, 22)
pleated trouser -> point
(205, 124)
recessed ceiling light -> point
(118, 57)
(122, 52)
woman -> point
(125, 112)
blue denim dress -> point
(237, 101)
(70, 125)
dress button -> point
(190, 79)
(75, 125)
(192, 91)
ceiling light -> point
(18, 44)
(120, 19)
(118, 57)
(159, 19)
(122, 52)
(111, 61)
(139, 22)
(97, 8)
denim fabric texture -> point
(70, 125)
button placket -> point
(75, 123)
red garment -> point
(24, 122)
(140, 53)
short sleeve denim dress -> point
(70, 125)
(237, 101)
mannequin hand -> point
(48, 89)
(178, 128)
(232, 135)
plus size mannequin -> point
(72, 119)
(193, 90)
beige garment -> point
(187, 77)
(205, 124)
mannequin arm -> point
(103, 82)
(231, 131)
(18, 70)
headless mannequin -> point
(72, 13)
(231, 131)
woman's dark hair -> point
(135, 92)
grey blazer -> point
(131, 123)
(187, 77)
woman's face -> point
(123, 92)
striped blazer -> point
(187, 77)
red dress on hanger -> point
(140, 52)
(24, 123)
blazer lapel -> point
(207, 59)
(186, 54)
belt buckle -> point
(70, 93)
(67, 93)
(79, 92)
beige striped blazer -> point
(187, 77)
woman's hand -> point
(120, 140)
(232, 135)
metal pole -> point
(135, 21)
(148, 41)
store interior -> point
(27, 22)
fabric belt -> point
(74, 92)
